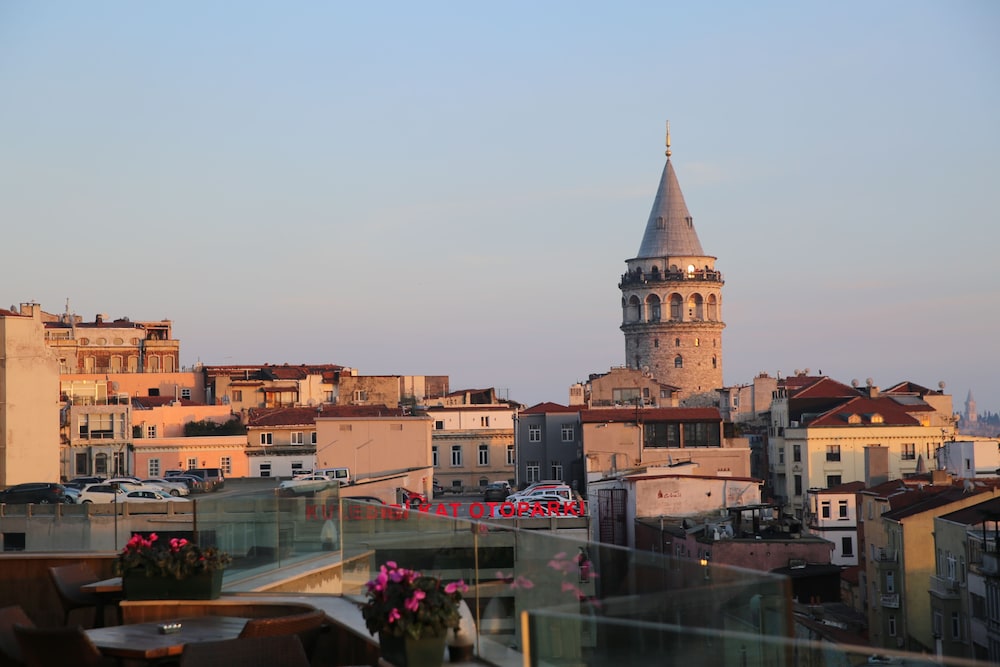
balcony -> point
(942, 587)
(534, 601)
(886, 556)
(990, 566)
(890, 600)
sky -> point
(452, 188)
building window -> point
(312, 437)
(534, 433)
(439, 425)
(656, 342)
(798, 485)
(192, 463)
(266, 438)
(833, 480)
(456, 456)
(265, 469)
(186, 393)
(677, 342)
(360, 395)
(510, 455)
(825, 509)
(892, 625)
(956, 625)
(153, 467)
(296, 468)
(226, 463)
(796, 453)
(151, 431)
(833, 452)
(81, 462)
(697, 342)
(842, 509)
(678, 361)
(119, 464)
(434, 456)
(909, 451)
(846, 546)
(237, 395)
(661, 434)
(484, 421)
(557, 470)
(346, 427)
(531, 471)
(890, 582)
(101, 464)
(781, 455)
(567, 432)
(395, 427)
(297, 438)
(484, 455)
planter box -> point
(204, 586)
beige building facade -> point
(472, 445)
(29, 399)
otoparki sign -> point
(487, 510)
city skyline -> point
(442, 189)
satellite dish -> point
(941, 385)
(869, 382)
(806, 372)
(855, 383)
(796, 372)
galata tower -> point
(672, 299)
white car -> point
(173, 488)
(151, 496)
(101, 493)
(307, 484)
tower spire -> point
(668, 153)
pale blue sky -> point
(453, 188)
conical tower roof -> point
(670, 229)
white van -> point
(342, 475)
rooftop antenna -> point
(668, 152)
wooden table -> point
(144, 641)
(108, 591)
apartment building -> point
(472, 443)
(833, 516)
(549, 445)
(824, 433)
(29, 406)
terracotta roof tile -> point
(865, 409)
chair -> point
(308, 626)
(68, 579)
(45, 647)
(10, 652)
(285, 650)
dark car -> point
(35, 492)
(497, 491)
(213, 476)
(194, 483)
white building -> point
(970, 458)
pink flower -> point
(455, 586)
(394, 615)
(413, 604)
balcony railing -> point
(669, 276)
(890, 600)
(886, 556)
(944, 587)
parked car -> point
(194, 483)
(150, 496)
(80, 482)
(72, 494)
(174, 488)
(34, 492)
(561, 490)
(102, 493)
(213, 476)
(342, 475)
(438, 490)
(306, 484)
(497, 491)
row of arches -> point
(696, 309)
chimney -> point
(99, 318)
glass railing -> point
(541, 593)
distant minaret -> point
(970, 409)
(672, 298)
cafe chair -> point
(10, 652)
(307, 626)
(67, 580)
(284, 650)
(47, 647)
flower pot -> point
(407, 652)
(204, 586)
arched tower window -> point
(634, 311)
(713, 308)
(678, 361)
(696, 308)
(676, 307)
(653, 308)
(715, 362)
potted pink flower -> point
(411, 613)
(154, 569)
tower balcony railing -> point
(633, 278)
